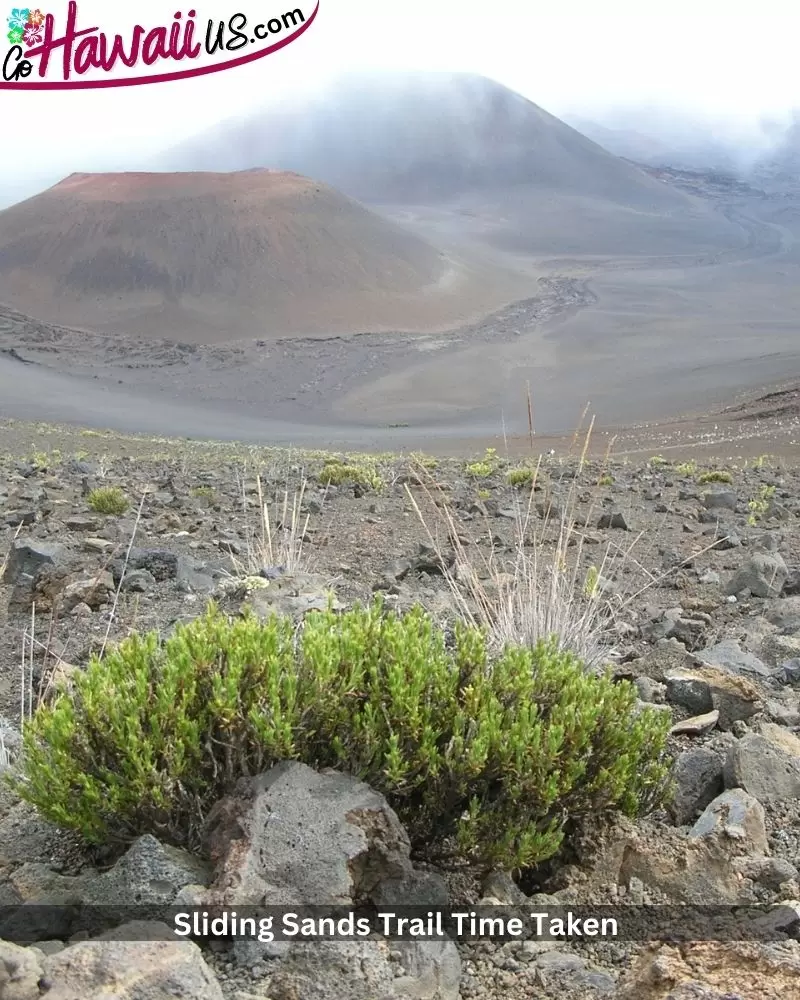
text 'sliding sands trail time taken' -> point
(43, 50)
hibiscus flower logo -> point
(33, 34)
(26, 26)
(20, 16)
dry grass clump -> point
(278, 538)
(548, 589)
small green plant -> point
(658, 460)
(686, 469)
(43, 459)
(759, 505)
(203, 492)
(592, 582)
(606, 480)
(483, 467)
(521, 476)
(108, 500)
(425, 461)
(337, 473)
(498, 758)
(715, 476)
(484, 494)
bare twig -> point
(22, 679)
(113, 611)
(30, 669)
(530, 415)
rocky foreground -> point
(702, 580)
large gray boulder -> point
(697, 774)
(149, 873)
(705, 688)
(763, 574)
(20, 972)
(736, 817)
(720, 499)
(144, 969)
(93, 590)
(26, 557)
(764, 768)
(296, 837)
(728, 655)
(146, 963)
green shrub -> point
(108, 500)
(715, 477)
(606, 480)
(44, 460)
(336, 473)
(521, 476)
(760, 504)
(686, 469)
(425, 461)
(484, 467)
(494, 759)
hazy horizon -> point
(676, 77)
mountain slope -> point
(206, 256)
(423, 137)
(462, 142)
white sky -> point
(731, 60)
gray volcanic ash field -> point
(409, 255)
